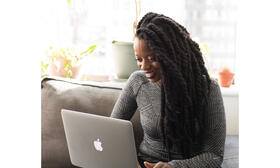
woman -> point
(181, 107)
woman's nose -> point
(145, 65)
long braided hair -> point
(185, 81)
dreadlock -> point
(184, 81)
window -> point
(214, 23)
(82, 23)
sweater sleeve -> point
(213, 144)
(126, 104)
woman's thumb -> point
(149, 165)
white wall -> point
(231, 104)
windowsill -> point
(231, 91)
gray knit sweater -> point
(144, 95)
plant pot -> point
(226, 78)
(124, 59)
(57, 68)
(76, 70)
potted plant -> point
(124, 59)
(64, 62)
(225, 77)
(123, 52)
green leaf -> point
(92, 47)
(206, 48)
(67, 66)
(69, 74)
(69, 2)
(63, 52)
(82, 53)
(44, 67)
(114, 41)
(89, 50)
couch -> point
(89, 97)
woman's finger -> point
(149, 165)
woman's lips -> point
(149, 75)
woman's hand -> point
(157, 165)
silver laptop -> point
(99, 142)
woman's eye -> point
(138, 59)
(152, 59)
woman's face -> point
(146, 60)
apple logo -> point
(97, 144)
